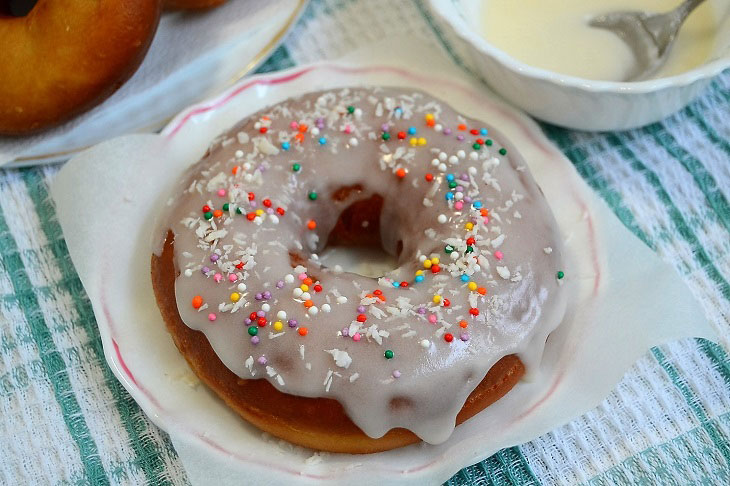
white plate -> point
(616, 317)
(192, 57)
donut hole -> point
(355, 242)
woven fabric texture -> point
(67, 420)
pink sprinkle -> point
(348, 129)
(217, 277)
(498, 255)
(232, 277)
(432, 318)
(458, 205)
(294, 125)
(211, 317)
(486, 220)
(356, 337)
(221, 192)
(302, 276)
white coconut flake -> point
(503, 272)
(342, 358)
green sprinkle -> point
(388, 354)
(296, 167)
(253, 330)
(351, 109)
(449, 249)
(469, 249)
(226, 206)
(489, 142)
(452, 184)
(386, 136)
(239, 211)
(476, 146)
(312, 196)
(503, 151)
(208, 215)
(560, 275)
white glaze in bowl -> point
(566, 100)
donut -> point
(330, 359)
(193, 4)
(66, 56)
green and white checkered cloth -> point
(67, 420)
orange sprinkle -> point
(381, 297)
(303, 331)
(401, 172)
(303, 128)
(463, 324)
(307, 281)
(197, 302)
(217, 213)
(299, 137)
(482, 290)
(308, 304)
(485, 212)
(311, 224)
(234, 171)
(461, 126)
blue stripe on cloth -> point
(53, 363)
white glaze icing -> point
(523, 303)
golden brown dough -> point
(67, 56)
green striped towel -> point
(67, 420)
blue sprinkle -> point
(483, 131)
(322, 141)
(450, 177)
(465, 278)
(419, 278)
(396, 284)
(411, 130)
(477, 204)
(285, 145)
(449, 196)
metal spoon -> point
(650, 36)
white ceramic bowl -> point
(566, 100)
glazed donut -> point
(66, 56)
(193, 4)
(331, 359)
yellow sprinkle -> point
(413, 141)
(436, 299)
(472, 286)
(469, 226)
(422, 141)
(304, 287)
(435, 260)
(278, 326)
(419, 272)
(235, 296)
(426, 263)
(429, 116)
(259, 212)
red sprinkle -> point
(401, 135)
(303, 331)
(263, 129)
(474, 131)
(251, 196)
(377, 292)
(261, 321)
(448, 337)
(267, 203)
(318, 288)
(217, 213)
(447, 302)
(429, 177)
(361, 318)
(281, 211)
(253, 316)
(404, 284)
(461, 126)
(470, 241)
(251, 216)
(206, 208)
(239, 265)
(401, 173)
(435, 269)
(480, 141)
(474, 311)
